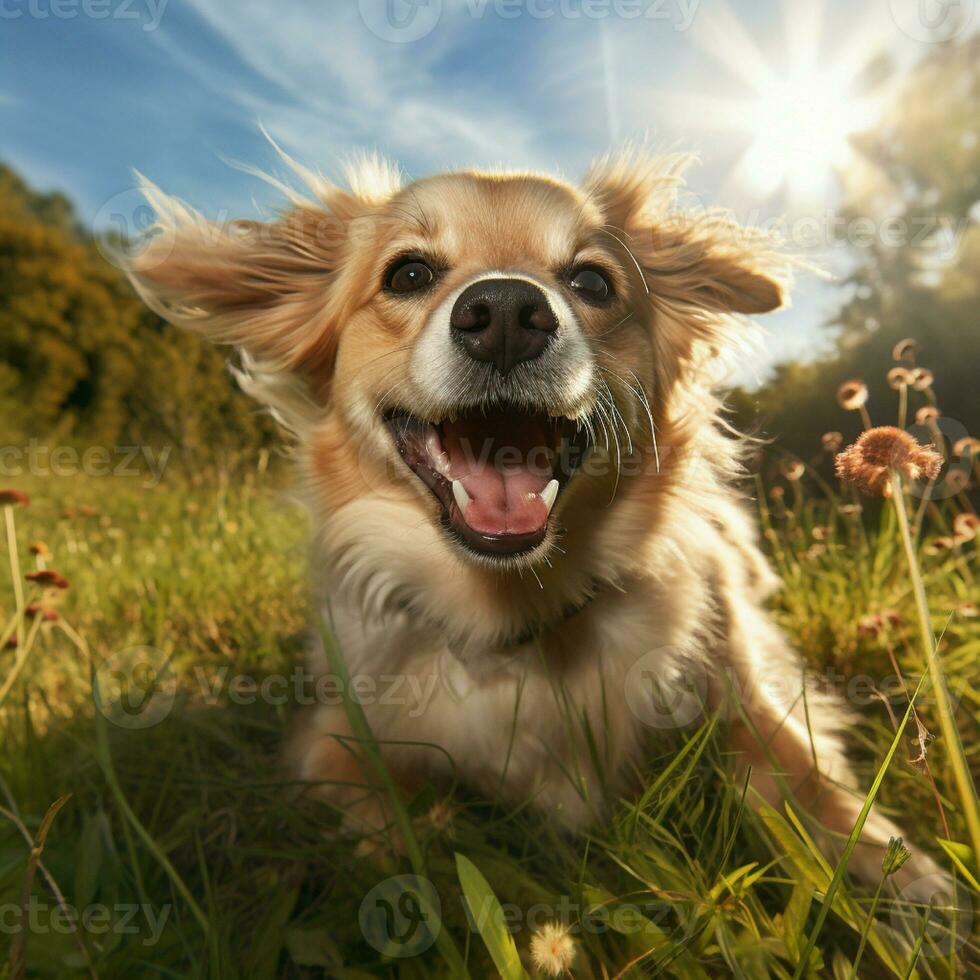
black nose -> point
(503, 321)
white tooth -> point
(549, 494)
(462, 497)
(439, 457)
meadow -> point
(148, 828)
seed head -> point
(831, 441)
(926, 414)
(47, 578)
(896, 854)
(905, 349)
(922, 379)
(899, 377)
(867, 464)
(40, 549)
(553, 949)
(13, 498)
(793, 470)
(851, 395)
(966, 526)
(967, 446)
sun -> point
(794, 108)
(799, 130)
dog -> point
(501, 388)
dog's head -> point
(489, 358)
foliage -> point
(83, 361)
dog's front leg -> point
(324, 753)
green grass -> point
(191, 830)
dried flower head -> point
(553, 949)
(820, 532)
(47, 578)
(967, 446)
(899, 377)
(851, 395)
(793, 470)
(870, 625)
(966, 526)
(905, 349)
(968, 610)
(867, 464)
(921, 379)
(927, 414)
(40, 549)
(13, 498)
(831, 441)
(940, 545)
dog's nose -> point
(503, 321)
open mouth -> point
(497, 472)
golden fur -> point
(650, 553)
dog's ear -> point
(691, 261)
(262, 286)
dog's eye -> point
(409, 276)
(591, 285)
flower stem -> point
(868, 923)
(947, 721)
(8, 513)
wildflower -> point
(966, 526)
(867, 464)
(967, 446)
(820, 532)
(851, 395)
(831, 441)
(793, 470)
(896, 854)
(870, 625)
(967, 610)
(553, 949)
(921, 379)
(938, 545)
(926, 414)
(13, 498)
(891, 617)
(40, 549)
(47, 578)
(905, 349)
(899, 377)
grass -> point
(180, 849)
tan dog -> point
(501, 390)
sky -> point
(91, 90)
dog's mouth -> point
(497, 472)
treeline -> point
(82, 361)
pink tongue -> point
(503, 464)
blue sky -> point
(93, 89)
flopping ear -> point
(262, 286)
(691, 262)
